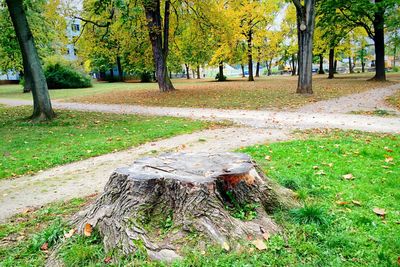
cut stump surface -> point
(163, 203)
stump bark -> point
(159, 204)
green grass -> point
(27, 148)
(22, 237)
(15, 91)
(335, 227)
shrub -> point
(59, 75)
(221, 79)
(310, 214)
(146, 77)
(396, 69)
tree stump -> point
(159, 204)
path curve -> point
(366, 101)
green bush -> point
(60, 76)
(146, 77)
(221, 79)
(396, 69)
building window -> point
(75, 27)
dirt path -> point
(252, 118)
(89, 176)
(366, 101)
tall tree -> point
(159, 38)
(305, 29)
(372, 16)
(42, 109)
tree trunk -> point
(243, 74)
(34, 75)
(350, 65)
(221, 72)
(335, 67)
(269, 67)
(250, 54)
(187, 71)
(120, 71)
(305, 28)
(111, 75)
(331, 63)
(379, 39)
(258, 69)
(198, 194)
(158, 43)
(321, 64)
(293, 65)
(198, 72)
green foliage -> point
(63, 76)
(28, 148)
(244, 212)
(146, 77)
(51, 235)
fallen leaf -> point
(355, 202)
(70, 233)
(266, 236)
(225, 246)
(348, 176)
(379, 211)
(388, 149)
(268, 158)
(321, 172)
(44, 247)
(259, 244)
(398, 261)
(342, 203)
(388, 159)
(315, 167)
(88, 230)
(107, 260)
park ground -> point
(346, 179)
(277, 92)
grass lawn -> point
(27, 148)
(15, 91)
(336, 226)
(271, 92)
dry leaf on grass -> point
(44, 247)
(226, 246)
(70, 233)
(266, 236)
(379, 212)
(355, 202)
(107, 260)
(348, 176)
(389, 159)
(259, 244)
